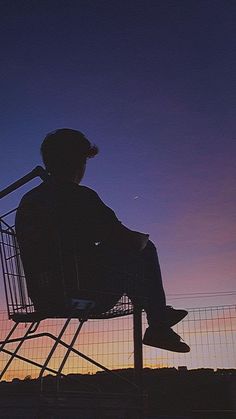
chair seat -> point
(79, 311)
(28, 317)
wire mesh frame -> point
(18, 301)
(15, 287)
(17, 298)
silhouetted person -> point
(73, 246)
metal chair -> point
(21, 309)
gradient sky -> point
(152, 83)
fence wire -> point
(210, 332)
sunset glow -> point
(152, 85)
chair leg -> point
(57, 341)
(4, 343)
(30, 361)
(8, 336)
(81, 322)
(44, 367)
(75, 351)
(21, 341)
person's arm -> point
(125, 239)
(109, 230)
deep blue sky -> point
(152, 83)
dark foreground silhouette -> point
(65, 231)
(201, 393)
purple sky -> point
(152, 83)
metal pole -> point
(37, 171)
(138, 355)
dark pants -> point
(137, 275)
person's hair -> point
(64, 150)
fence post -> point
(138, 355)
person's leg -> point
(148, 286)
(138, 275)
(146, 289)
(144, 284)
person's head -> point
(65, 152)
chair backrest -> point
(15, 284)
(15, 287)
(42, 291)
(20, 306)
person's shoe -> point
(173, 316)
(164, 339)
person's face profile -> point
(80, 171)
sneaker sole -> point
(184, 348)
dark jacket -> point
(58, 226)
